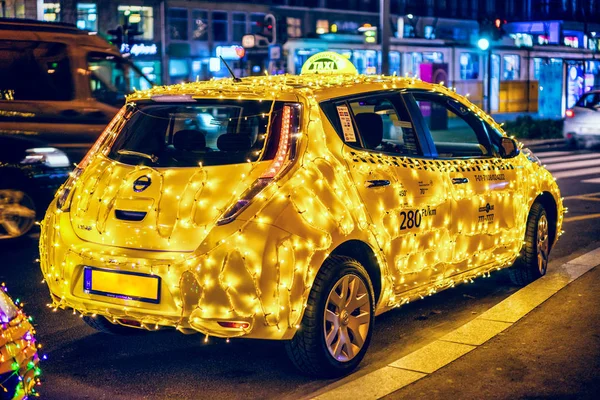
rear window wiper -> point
(150, 157)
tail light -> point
(108, 135)
(570, 113)
(285, 155)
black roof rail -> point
(38, 26)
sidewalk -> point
(553, 352)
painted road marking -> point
(441, 352)
(544, 154)
(576, 172)
(375, 385)
(432, 357)
(595, 180)
(564, 158)
(585, 196)
(581, 217)
(574, 164)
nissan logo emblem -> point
(142, 183)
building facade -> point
(543, 63)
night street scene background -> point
(67, 69)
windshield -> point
(112, 78)
(207, 132)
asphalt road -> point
(84, 364)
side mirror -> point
(508, 148)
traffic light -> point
(492, 30)
(269, 30)
(117, 36)
(498, 29)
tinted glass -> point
(34, 71)
(178, 23)
(206, 132)
(112, 78)
(590, 100)
(397, 133)
(456, 132)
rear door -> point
(402, 192)
(483, 186)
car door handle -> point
(459, 181)
(377, 183)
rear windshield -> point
(206, 132)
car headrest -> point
(370, 126)
(189, 140)
(234, 142)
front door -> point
(482, 184)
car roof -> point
(318, 87)
(321, 87)
(18, 29)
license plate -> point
(121, 284)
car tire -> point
(101, 324)
(17, 212)
(337, 325)
(533, 261)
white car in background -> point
(582, 123)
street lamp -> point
(483, 44)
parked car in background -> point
(30, 174)
(582, 124)
(60, 84)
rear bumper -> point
(211, 293)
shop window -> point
(87, 16)
(46, 66)
(511, 64)
(12, 9)
(200, 25)
(178, 70)
(322, 26)
(294, 27)
(139, 18)
(219, 23)
(177, 20)
(239, 26)
(469, 66)
(395, 64)
(433, 57)
(52, 12)
(365, 61)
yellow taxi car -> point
(293, 208)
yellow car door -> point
(483, 185)
(404, 194)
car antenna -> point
(235, 78)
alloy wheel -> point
(17, 213)
(543, 245)
(347, 318)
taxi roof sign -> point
(328, 62)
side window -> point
(591, 100)
(379, 123)
(34, 71)
(454, 129)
